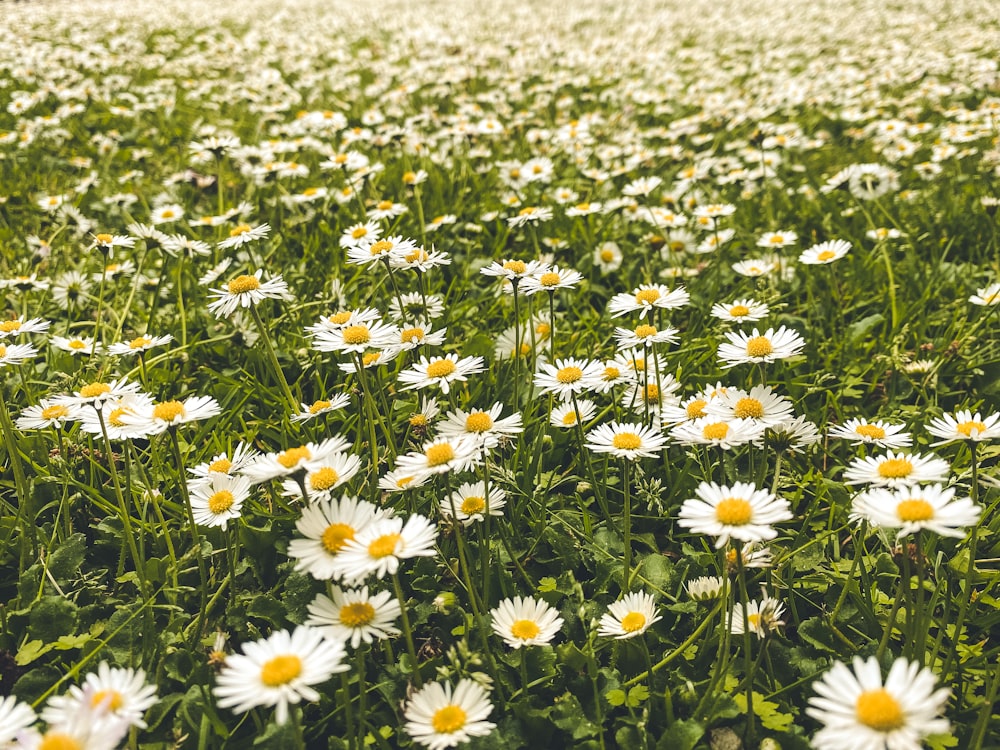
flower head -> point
(629, 617)
(760, 347)
(354, 615)
(894, 469)
(439, 717)
(246, 291)
(914, 508)
(964, 425)
(523, 621)
(739, 512)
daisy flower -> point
(356, 336)
(178, 245)
(438, 717)
(77, 345)
(647, 298)
(217, 500)
(441, 455)
(629, 617)
(400, 480)
(760, 404)
(440, 371)
(759, 347)
(157, 418)
(825, 252)
(644, 335)
(287, 462)
(107, 243)
(14, 716)
(382, 545)
(551, 279)
(523, 621)
(746, 310)
(709, 430)
(326, 526)
(739, 512)
(139, 344)
(881, 433)
(17, 326)
(881, 234)
(569, 376)
(359, 235)
(794, 435)
(123, 693)
(166, 214)
(98, 391)
(608, 257)
(513, 270)
(117, 417)
(913, 508)
(244, 291)
(704, 588)
(242, 455)
(278, 671)
(419, 334)
(894, 469)
(484, 425)
(753, 555)
(626, 440)
(691, 408)
(354, 615)
(380, 250)
(47, 413)
(753, 268)
(776, 240)
(530, 215)
(760, 618)
(89, 728)
(469, 503)
(244, 234)
(323, 477)
(859, 712)
(566, 416)
(322, 406)
(987, 296)
(965, 425)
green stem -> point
(747, 656)
(24, 498)
(407, 633)
(970, 569)
(627, 522)
(195, 536)
(293, 404)
(180, 298)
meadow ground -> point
(616, 375)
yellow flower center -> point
(569, 418)
(607, 256)
(543, 330)
(168, 411)
(776, 239)
(879, 710)
(112, 699)
(418, 420)
(647, 296)
(715, 431)
(612, 373)
(411, 335)
(753, 621)
(384, 546)
(626, 441)
(404, 482)
(221, 501)
(733, 511)
(472, 505)
(870, 431)
(569, 374)
(244, 283)
(449, 719)
(239, 229)
(966, 428)
(339, 318)
(633, 621)
(440, 368)
(417, 255)
(221, 465)
(354, 335)
(280, 670)
(825, 255)
(645, 331)
(583, 207)
(104, 239)
(293, 456)
(77, 344)
(59, 741)
(167, 214)
(370, 358)
(409, 177)
(438, 455)
(696, 408)
(9, 326)
(357, 614)
(384, 205)
(527, 211)
(524, 629)
(739, 311)
(93, 390)
(319, 406)
(309, 192)
(324, 478)
(895, 468)
(381, 247)
(914, 510)
(652, 393)
(747, 408)
(336, 536)
(478, 421)
(115, 417)
(57, 411)
(359, 232)
(140, 342)
(759, 346)
(549, 279)
(515, 266)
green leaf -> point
(767, 711)
(52, 617)
(546, 584)
(681, 735)
(637, 695)
(31, 650)
(940, 741)
(616, 697)
(64, 563)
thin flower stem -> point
(970, 569)
(180, 298)
(748, 665)
(407, 633)
(293, 404)
(552, 325)
(517, 344)
(24, 498)
(523, 667)
(362, 708)
(345, 690)
(627, 523)
(100, 307)
(370, 409)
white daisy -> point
(382, 545)
(624, 440)
(877, 433)
(566, 416)
(569, 376)
(323, 477)
(894, 469)
(759, 347)
(245, 291)
(139, 344)
(218, 499)
(550, 279)
(440, 371)
(157, 418)
(122, 693)
(326, 526)
(354, 615)
(760, 618)
(964, 425)
(244, 234)
(469, 503)
(858, 712)
(704, 588)
(825, 252)
(76, 345)
(629, 617)
(278, 671)
(739, 512)
(442, 455)
(322, 406)
(913, 508)
(14, 716)
(760, 404)
(47, 414)
(484, 425)
(17, 326)
(987, 296)
(709, 430)
(644, 335)
(523, 621)
(224, 463)
(746, 310)
(647, 298)
(438, 717)
(287, 462)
